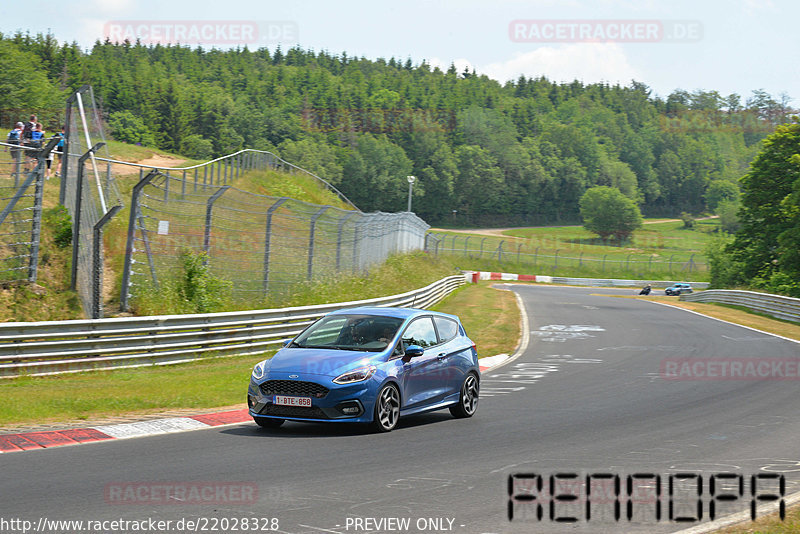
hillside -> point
(484, 153)
(51, 298)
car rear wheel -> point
(468, 399)
(265, 422)
(387, 409)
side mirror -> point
(286, 342)
(414, 350)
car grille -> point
(294, 388)
(294, 411)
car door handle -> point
(442, 356)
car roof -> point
(401, 313)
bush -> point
(607, 212)
(128, 128)
(728, 211)
(203, 291)
(688, 220)
(60, 222)
(196, 147)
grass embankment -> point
(658, 251)
(770, 524)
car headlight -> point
(356, 375)
(258, 370)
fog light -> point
(251, 401)
(351, 408)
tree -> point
(766, 247)
(719, 191)
(607, 212)
(728, 211)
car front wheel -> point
(387, 409)
(468, 399)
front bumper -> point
(349, 403)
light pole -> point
(411, 180)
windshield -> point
(371, 333)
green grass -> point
(490, 317)
(219, 381)
(297, 186)
(398, 274)
(660, 251)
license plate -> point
(292, 401)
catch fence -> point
(260, 244)
(22, 176)
(256, 245)
(552, 260)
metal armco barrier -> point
(603, 282)
(786, 308)
(54, 347)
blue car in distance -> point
(368, 365)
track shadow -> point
(294, 429)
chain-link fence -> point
(552, 259)
(261, 244)
(89, 192)
(22, 174)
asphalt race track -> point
(586, 397)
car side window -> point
(448, 329)
(420, 332)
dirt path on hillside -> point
(157, 161)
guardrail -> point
(777, 306)
(607, 282)
(54, 347)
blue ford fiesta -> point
(368, 365)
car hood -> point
(327, 362)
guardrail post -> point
(555, 266)
(339, 239)
(126, 269)
(268, 239)
(76, 223)
(481, 253)
(500, 251)
(519, 248)
(209, 207)
(312, 231)
(465, 245)
(97, 261)
(580, 260)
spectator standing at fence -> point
(59, 149)
(35, 142)
(15, 138)
(15, 135)
(28, 129)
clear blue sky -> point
(736, 45)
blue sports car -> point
(368, 365)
